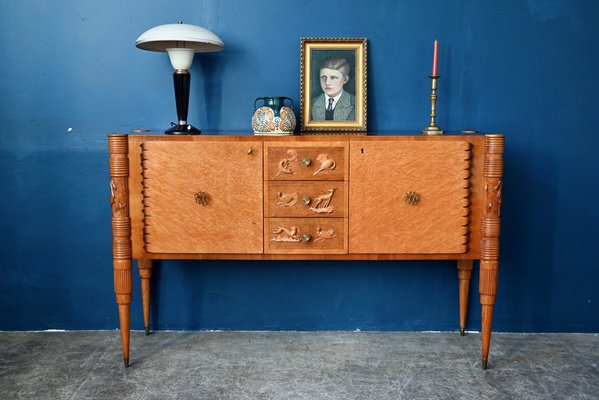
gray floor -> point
(297, 365)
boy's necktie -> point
(329, 111)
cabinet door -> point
(202, 196)
(409, 197)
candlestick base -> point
(432, 130)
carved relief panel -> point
(305, 236)
(302, 161)
(305, 199)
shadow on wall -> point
(527, 242)
(208, 71)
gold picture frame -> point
(343, 62)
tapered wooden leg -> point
(145, 274)
(464, 274)
(490, 229)
(121, 233)
(488, 290)
(124, 319)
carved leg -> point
(145, 274)
(121, 233)
(490, 227)
(464, 274)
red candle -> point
(435, 56)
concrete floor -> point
(297, 365)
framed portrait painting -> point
(333, 85)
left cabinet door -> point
(202, 196)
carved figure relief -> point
(326, 164)
(324, 235)
(286, 199)
(322, 204)
(286, 164)
(117, 200)
(286, 235)
(494, 194)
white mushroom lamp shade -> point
(181, 42)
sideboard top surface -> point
(244, 136)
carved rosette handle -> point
(202, 198)
(490, 229)
(412, 198)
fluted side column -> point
(121, 233)
(489, 264)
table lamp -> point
(181, 42)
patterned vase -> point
(273, 117)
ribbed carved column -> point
(121, 233)
(490, 229)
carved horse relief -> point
(285, 165)
(324, 235)
(326, 164)
(286, 235)
(322, 204)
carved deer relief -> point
(322, 204)
(286, 199)
(285, 165)
(286, 235)
(326, 164)
(324, 235)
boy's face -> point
(332, 81)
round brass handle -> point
(306, 161)
(306, 237)
(412, 198)
(306, 200)
(202, 198)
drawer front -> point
(305, 199)
(202, 197)
(306, 162)
(305, 235)
(409, 197)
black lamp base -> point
(186, 129)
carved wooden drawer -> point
(409, 197)
(202, 197)
(305, 235)
(305, 199)
(306, 161)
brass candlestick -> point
(433, 129)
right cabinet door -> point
(409, 197)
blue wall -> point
(70, 74)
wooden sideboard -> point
(330, 197)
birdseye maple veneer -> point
(400, 197)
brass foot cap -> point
(126, 360)
(485, 364)
(147, 330)
(462, 332)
